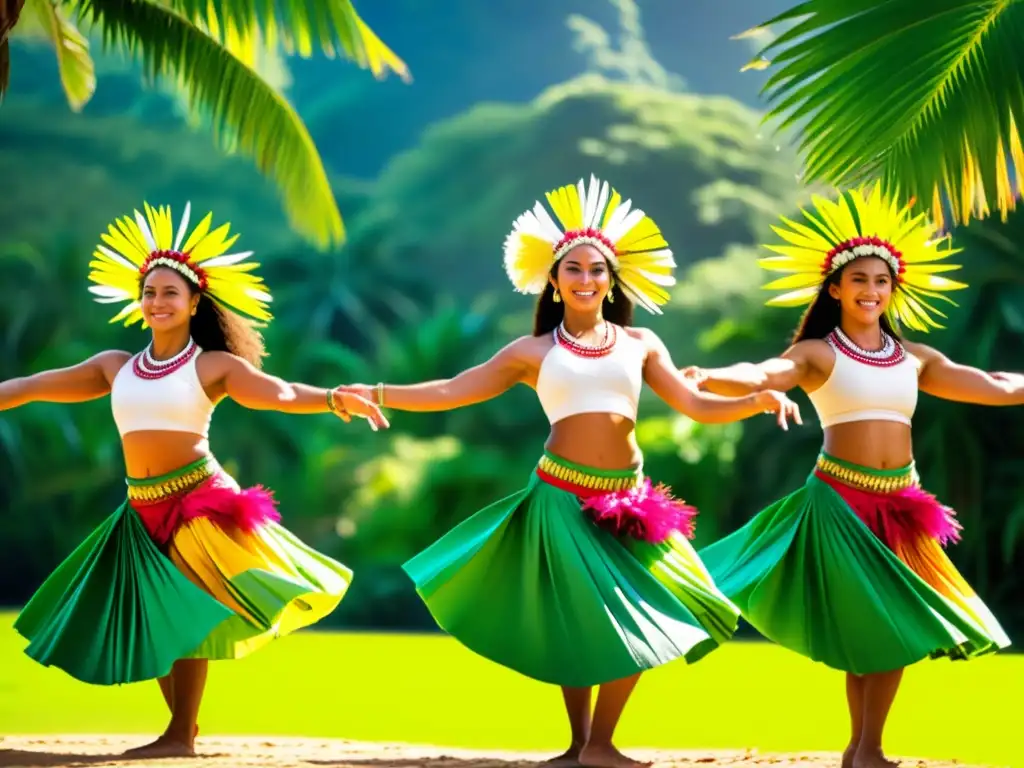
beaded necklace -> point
(565, 339)
(145, 367)
(891, 353)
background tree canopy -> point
(430, 182)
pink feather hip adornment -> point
(645, 512)
(900, 517)
(218, 498)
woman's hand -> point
(782, 406)
(354, 404)
(695, 374)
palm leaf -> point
(244, 109)
(298, 25)
(927, 96)
(48, 20)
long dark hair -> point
(216, 329)
(824, 314)
(549, 313)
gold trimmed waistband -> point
(583, 479)
(866, 480)
(183, 483)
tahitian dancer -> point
(585, 577)
(850, 570)
(191, 567)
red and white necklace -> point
(891, 353)
(145, 367)
(565, 339)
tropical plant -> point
(211, 51)
(927, 96)
(696, 162)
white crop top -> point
(176, 402)
(568, 384)
(860, 391)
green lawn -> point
(430, 690)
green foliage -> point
(627, 58)
(211, 51)
(418, 294)
(695, 163)
(77, 172)
(927, 96)
(244, 109)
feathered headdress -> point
(139, 244)
(626, 237)
(864, 223)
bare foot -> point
(872, 759)
(165, 746)
(848, 756)
(571, 756)
(607, 756)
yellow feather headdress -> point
(626, 237)
(864, 223)
(135, 245)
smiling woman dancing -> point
(191, 567)
(585, 577)
(849, 570)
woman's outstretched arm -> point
(943, 378)
(781, 373)
(682, 394)
(252, 388)
(508, 367)
(89, 380)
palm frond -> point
(926, 96)
(77, 72)
(244, 109)
(298, 25)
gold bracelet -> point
(380, 394)
(333, 406)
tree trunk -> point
(10, 10)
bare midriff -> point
(152, 453)
(598, 440)
(874, 444)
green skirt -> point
(532, 583)
(191, 566)
(850, 571)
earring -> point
(556, 296)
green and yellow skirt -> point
(850, 571)
(583, 577)
(189, 566)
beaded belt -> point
(591, 479)
(182, 480)
(866, 478)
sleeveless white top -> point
(568, 384)
(857, 391)
(176, 402)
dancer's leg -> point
(577, 707)
(855, 702)
(188, 680)
(611, 700)
(879, 694)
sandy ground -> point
(275, 752)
